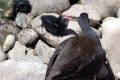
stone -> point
(104, 7)
(2, 54)
(118, 13)
(23, 68)
(27, 36)
(31, 52)
(73, 29)
(9, 42)
(77, 9)
(118, 75)
(7, 27)
(46, 6)
(110, 42)
(44, 51)
(36, 22)
(108, 18)
(21, 20)
(18, 50)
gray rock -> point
(2, 54)
(118, 75)
(6, 4)
(23, 68)
(21, 20)
(46, 6)
(77, 9)
(44, 51)
(104, 7)
(53, 40)
(7, 27)
(108, 19)
(111, 44)
(36, 22)
(9, 42)
(27, 36)
(18, 50)
(31, 52)
(118, 13)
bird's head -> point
(83, 19)
(66, 18)
(20, 6)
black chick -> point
(20, 6)
(77, 58)
(55, 26)
(72, 2)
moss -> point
(5, 6)
(80, 2)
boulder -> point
(18, 50)
(73, 29)
(44, 51)
(7, 27)
(46, 6)
(104, 7)
(110, 42)
(31, 52)
(9, 42)
(118, 13)
(23, 68)
(2, 54)
(27, 36)
(77, 9)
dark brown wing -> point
(54, 56)
(79, 63)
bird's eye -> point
(17, 9)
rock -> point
(118, 13)
(36, 22)
(7, 27)
(2, 54)
(110, 42)
(77, 9)
(104, 7)
(18, 50)
(9, 42)
(108, 19)
(72, 30)
(54, 40)
(31, 52)
(23, 68)
(6, 4)
(43, 50)
(21, 20)
(118, 75)
(27, 36)
(46, 6)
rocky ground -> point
(25, 49)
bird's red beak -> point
(10, 15)
(66, 17)
(69, 18)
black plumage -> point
(20, 6)
(77, 58)
(72, 2)
(55, 26)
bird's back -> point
(78, 58)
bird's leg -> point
(42, 29)
(94, 77)
(56, 25)
(58, 38)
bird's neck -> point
(88, 31)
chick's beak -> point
(69, 19)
